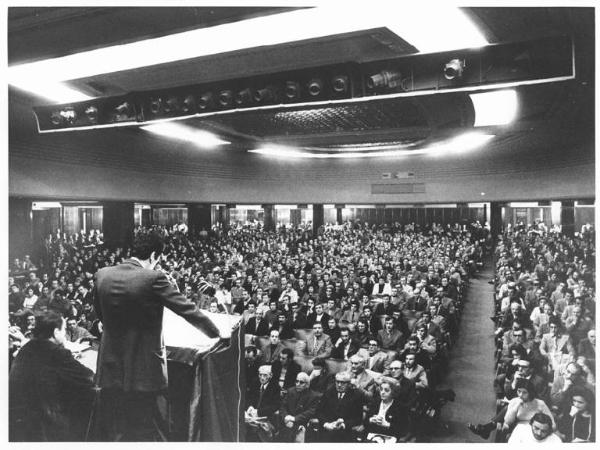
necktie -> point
(315, 346)
(340, 396)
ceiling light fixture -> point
(459, 144)
(182, 132)
(415, 25)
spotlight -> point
(189, 104)
(315, 87)
(454, 69)
(340, 84)
(206, 101)
(265, 95)
(171, 105)
(56, 118)
(155, 105)
(226, 98)
(92, 114)
(243, 97)
(122, 112)
(66, 115)
(292, 90)
(385, 79)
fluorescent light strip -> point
(495, 108)
(416, 25)
(459, 144)
(182, 132)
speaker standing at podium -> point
(132, 366)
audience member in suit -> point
(50, 392)
(261, 404)
(361, 380)
(376, 360)
(373, 322)
(258, 325)
(361, 334)
(252, 365)
(285, 369)
(333, 330)
(298, 318)
(556, 343)
(351, 315)
(385, 308)
(286, 331)
(340, 411)
(587, 349)
(387, 415)
(430, 327)
(272, 350)
(297, 408)
(318, 316)
(318, 344)
(422, 357)
(390, 338)
(346, 347)
(320, 378)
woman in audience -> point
(386, 415)
(523, 407)
(578, 423)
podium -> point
(206, 379)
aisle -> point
(471, 368)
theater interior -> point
(217, 117)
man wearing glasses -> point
(297, 408)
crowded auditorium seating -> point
(440, 253)
(544, 297)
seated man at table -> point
(297, 408)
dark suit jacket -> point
(50, 394)
(338, 351)
(396, 415)
(348, 408)
(293, 369)
(312, 318)
(271, 355)
(300, 321)
(263, 327)
(129, 301)
(301, 405)
(266, 404)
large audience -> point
(545, 338)
(348, 331)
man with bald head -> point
(297, 408)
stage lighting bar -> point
(491, 67)
(111, 111)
